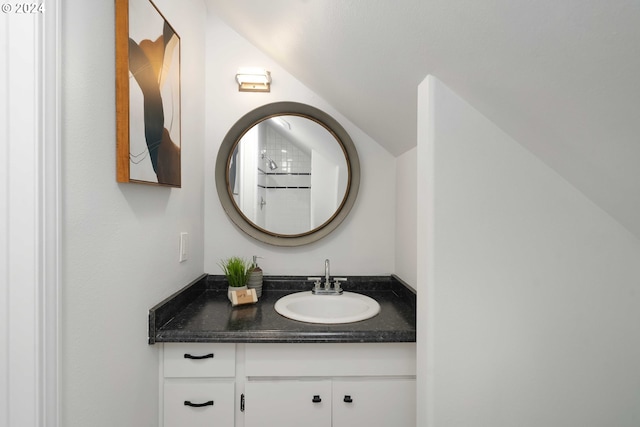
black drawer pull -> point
(348, 399)
(198, 405)
(316, 399)
(206, 356)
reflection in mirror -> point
(288, 175)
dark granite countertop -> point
(201, 312)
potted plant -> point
(236, 270)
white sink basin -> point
(346, 308)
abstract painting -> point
(148, 148)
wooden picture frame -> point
(148, 116)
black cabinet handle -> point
(206, 356)
(198, 405)
(348, 399)
(316, 399)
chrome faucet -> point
(327, 282)
(325, 288)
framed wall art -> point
(148, 145)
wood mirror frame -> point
(229, 144)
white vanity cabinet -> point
(330, 402)
(288, 385)
(288, 403)
(198, 385)
(330, 385)
(374, 402)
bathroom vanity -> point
(249, 366)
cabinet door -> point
(288, 403)
(198, 404)
(374, 403)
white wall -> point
(324, 189)
(120, 241)
(247, 174)
(364, 242)
(406, 210)
(531, 314)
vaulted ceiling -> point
(562, 77)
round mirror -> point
(287, 174)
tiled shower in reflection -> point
(284, 194)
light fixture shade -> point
(253, 79)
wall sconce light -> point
(253, 79)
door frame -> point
(30, 217)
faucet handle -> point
(316, 281)
(336, 283)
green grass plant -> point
(236, 270)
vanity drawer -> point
(198, 403)
(323, 359)
(200, 360)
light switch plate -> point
(183, 247)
